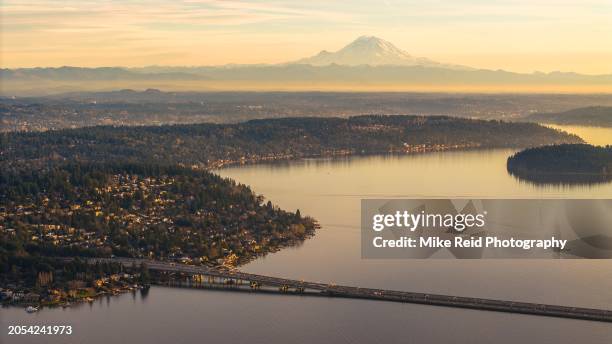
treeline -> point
(209, 144)
(18, 185)
(25, 269)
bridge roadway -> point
(379, 294)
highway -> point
(375, 294)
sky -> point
(514, 35)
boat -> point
(31, 309)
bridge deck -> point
(381, 294)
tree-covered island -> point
(566, 164)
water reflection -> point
(144, 293)
(562, 180)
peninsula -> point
(216, 145)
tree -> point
(145, 276)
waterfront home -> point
(18, 295)
(6, 294)
(31, 298)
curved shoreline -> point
(271, 160)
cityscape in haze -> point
(207, 162)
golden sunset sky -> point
(515, 35)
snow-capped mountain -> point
(368, 63)
(373, 51)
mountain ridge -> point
(367, 63)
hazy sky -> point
(516, 35)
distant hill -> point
(67, 73)
(600, 116)
(381, 75)
(289, 77)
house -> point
(31, 298)
(75, 284)
(18, 295)
(6, 294)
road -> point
(376, 294)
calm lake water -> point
(330, 191)
(593, 135)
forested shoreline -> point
(147, 192)
(215, 145)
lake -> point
(330, 190)
(599, 136)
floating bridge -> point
(290, 286)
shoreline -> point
(421, 149)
